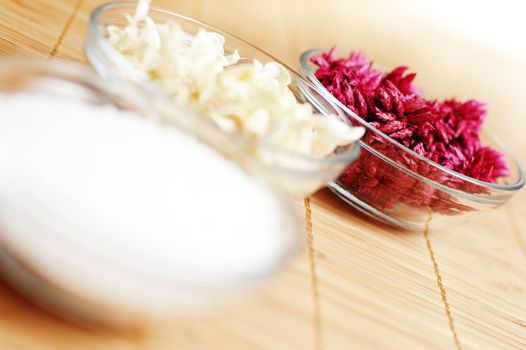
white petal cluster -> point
(251, 98)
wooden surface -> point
(357, 285)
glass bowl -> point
(400, 187)
(297, 174)
(56, 264)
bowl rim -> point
(304, 62)
(348, 157)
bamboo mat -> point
(357, 284)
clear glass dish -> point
(297, 174)
(411, 191)
(52, 268)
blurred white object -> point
(117, 212)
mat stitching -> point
(60, 39)
(441, 286)
(318, 327)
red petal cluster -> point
(446, 132)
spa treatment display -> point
(238, 95)
(445, 132)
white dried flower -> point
(251, 98)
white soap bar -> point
(110, 205)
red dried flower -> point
(445, 132)
(351, 80)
